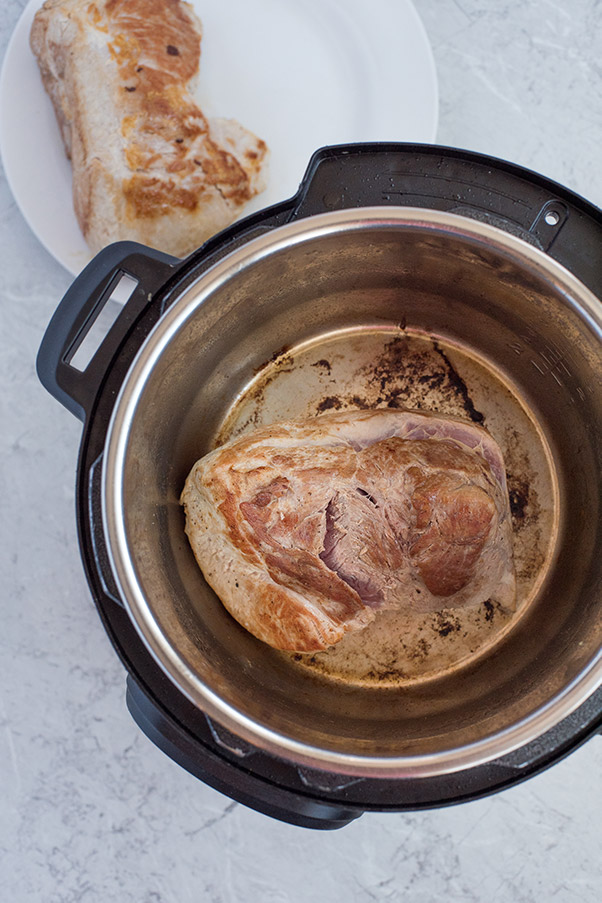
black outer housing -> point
(348, 176)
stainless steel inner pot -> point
(395, 307)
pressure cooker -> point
(398, 276)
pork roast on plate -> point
(307, 529)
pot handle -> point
(84, 300)
(237, 783)
(385, 174)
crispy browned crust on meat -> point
(147, 164)
(286, 616)
(262, 514)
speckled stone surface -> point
(90, 810)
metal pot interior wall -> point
(293, 328)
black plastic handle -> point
(81, 305)
(238, 784)
(381, 174)
(494, 191)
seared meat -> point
(306, 529)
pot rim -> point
(139, 608)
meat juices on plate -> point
(307, 529)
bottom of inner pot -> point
(386, 367)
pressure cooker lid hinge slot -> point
(229, 741)
(325, 781)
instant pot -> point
(398, 276)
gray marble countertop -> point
(91, 810)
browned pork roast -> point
(306, 529)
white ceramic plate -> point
(300, 75)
